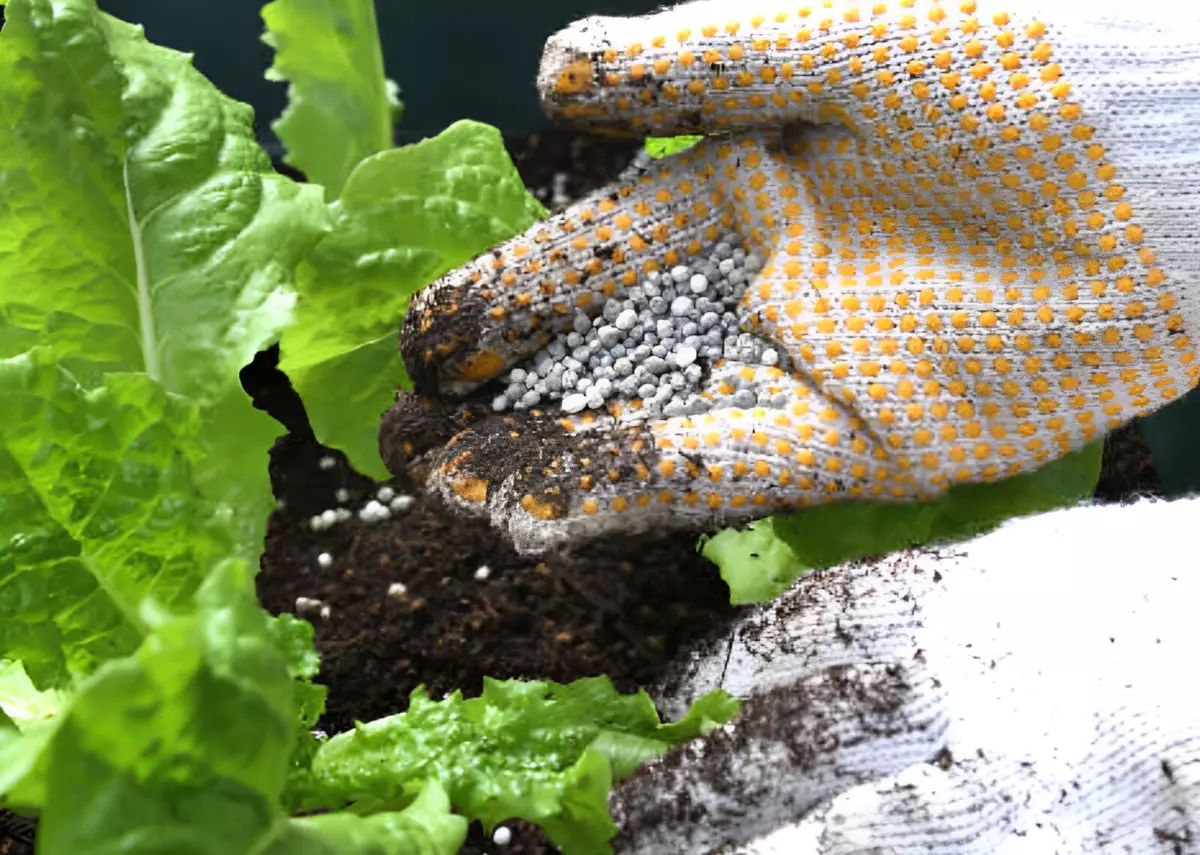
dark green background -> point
(476, 59)
(453, 59)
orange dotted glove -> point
(978, 227)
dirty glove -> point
(1023, 693)
(976, 228)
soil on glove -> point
(426, 597)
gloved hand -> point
(976, 223)
(1024, 693)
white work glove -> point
(977, 229)
(1030, 691)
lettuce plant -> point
(659, 147)
(545, 752)
(341, 106)
(404, 217)
(147, 252)
(147, 703)
(766, 558)
(400, 217)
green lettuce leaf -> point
(425, 827)
(341, 107)
(295, 638)
(22, 704)
(27, 721)
(658, 147)
(142, 228)
(146, 253)
(185, 745)
(182, 746)
(23, 765)
(543, 752)
(195, 727)
(405, 217)
(98, 510)
(765, 559)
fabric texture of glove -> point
(978, 226)
(1025, 692)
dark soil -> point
(622, 608)
(16, 834)
(568, 165)
(1127, 470)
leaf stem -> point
(145, 306)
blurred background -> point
(453, 59)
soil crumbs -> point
(469, 607)
(429, 598)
